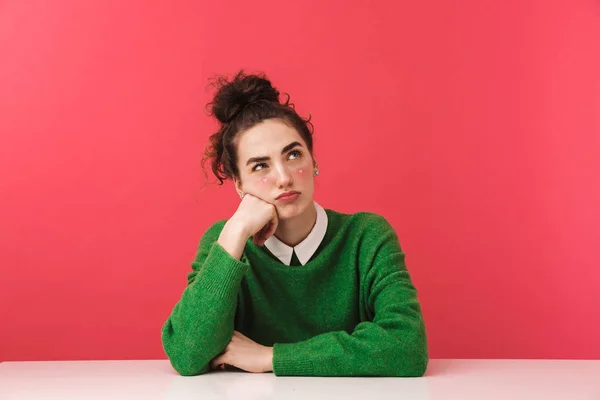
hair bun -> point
(243, 90)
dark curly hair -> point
(238, 105)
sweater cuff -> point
(288, 361)
(221, 272)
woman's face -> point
(272, 159)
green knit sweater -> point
(352, 310)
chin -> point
(289, 211)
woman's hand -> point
(254, 217)
(245, 354)
(258, 217)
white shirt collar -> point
(305, 249)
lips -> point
(286, 194)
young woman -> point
(285, 285)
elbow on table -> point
(183, 361)
(416, 367)
(187, 366)
(185, 369)
(412, 356)
(409, 364)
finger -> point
(239, 335)
(257, 237)
(214, 365)
(258, 240)
(274, 221)
(265, 233)
(260, 236)
(271, 231)
(217, 362)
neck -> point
(294, 230)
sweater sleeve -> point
(392, 343)
(201, 323)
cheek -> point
(262, 181)
(301, 173)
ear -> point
(238, 186)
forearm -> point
(201, 323)
(233, 239)
(369, 351)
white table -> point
(445, 379)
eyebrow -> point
(283, 151)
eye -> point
(255, 168)
(297, 154)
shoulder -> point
(363, 222)
(372, 239)
(372, 220)
(363, 229)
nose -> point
(284, 177)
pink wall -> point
(473, 126)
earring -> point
(242, 195)
(316, 171)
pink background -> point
(473, 126)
